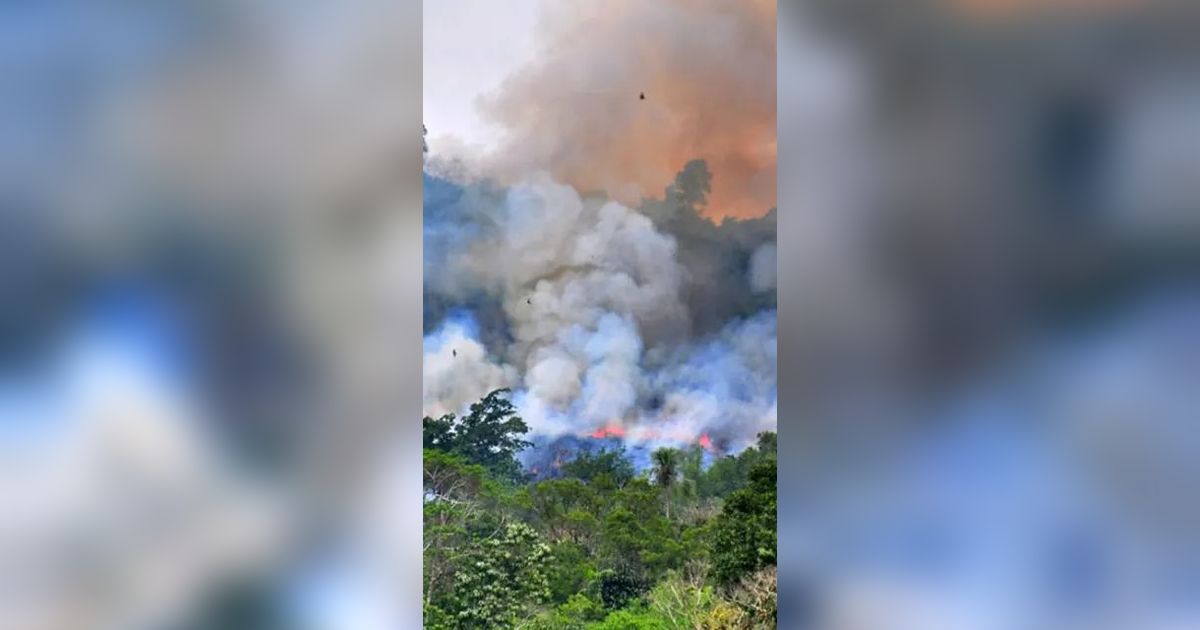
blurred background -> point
(990, 315)
(210, 269)
(989, 325)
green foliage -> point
(598, 548)
(666, 474)
(501, 579)
(619, 586)
(438, 433)
(691, 465)
(635, 535)
(570, 571)
(732, 472)
(744, 537)
(632, 619)
(437, 619)
(489, 435)
(564, 509)
(450, 476)
(577, 613)
(457, 496)
(666, 467)
(696, 541)
(683, 603)
(611, 467)
(768, 443)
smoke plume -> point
(585, 252)
(706, 70)
(651, 325)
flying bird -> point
(642, 96)
(529, 300)
(454, 353)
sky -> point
(468, 48)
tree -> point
(596, 548)
(438, 433)
(666, 471)
(589, 467)
(620, 586)
(635, 538)
(489, 435)
(564, 508)
(501, 581)
(732, 472)
(570, 571)
(455, 511)
(744, 538)
(768, 443)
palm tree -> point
(666, 471)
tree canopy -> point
(602, 546)
(489, 435)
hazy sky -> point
(469, 48)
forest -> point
(688, 542)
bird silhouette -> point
(642, 96)
(529, 300)
(454, 353)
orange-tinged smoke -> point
(997, 9)
(705, 441)
(707, 70)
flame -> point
(612, 430)
(651, 434)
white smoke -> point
(457, 368)
(598, 332)
(724, 386)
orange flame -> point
(612, 430)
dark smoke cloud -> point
(719, 258)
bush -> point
(576, 614)
(617, 588)
(683, 603)
(755, 594)
(632, 619)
